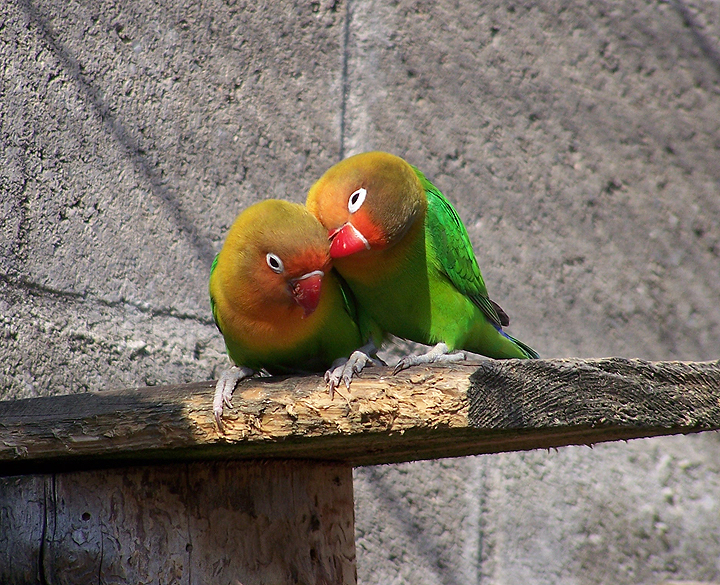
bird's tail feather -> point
(526, 349)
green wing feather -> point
(369, 330)
(455, 253)
(213, 308)
(349, 301)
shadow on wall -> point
(113, 126)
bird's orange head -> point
(274, 258)
(367, 202)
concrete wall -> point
(579, 141)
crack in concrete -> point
(345, 90)
(42, 290)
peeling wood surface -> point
(205, 522)
(420, 413)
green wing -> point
(213, 308)
(454, 251)
(349, 301)
(369, 330)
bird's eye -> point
(274, 263)
(356, 200)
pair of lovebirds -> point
(376, 250)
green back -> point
(213, 308)
(454, 250)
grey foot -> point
(225, 388)
(437, 355)
(343, 369)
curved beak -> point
(346, 240)
(306, 290)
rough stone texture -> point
(133, 137)
(636, 513)
(580, 142)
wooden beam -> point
(421, 413)
(282, 511)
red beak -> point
(346, 240)
(306, 290)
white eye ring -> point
(356, 200)
(274, 262)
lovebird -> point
(278, 304)
(402, 248)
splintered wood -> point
(384, 403)
(420, 413)
(282, 511)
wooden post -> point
(272, 522)
(139, 486)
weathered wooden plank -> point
(22, 508)
(205, 522)
(420, 413)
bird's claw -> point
(437, 355)
(343, 370)
(224, 390)
(405, 363)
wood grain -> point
(208, 522)
(420, 413)
(282, 510)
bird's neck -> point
(372, 266)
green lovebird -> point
(279, 305)
(406, 255)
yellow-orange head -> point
(366, 202)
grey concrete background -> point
(579, 141)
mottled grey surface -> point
(131, 139)
(579, 141)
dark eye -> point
(274, 262)
(356, 200)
